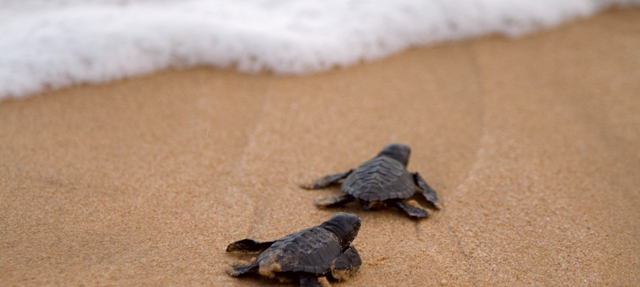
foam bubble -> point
(56, 43)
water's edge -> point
(67, 42)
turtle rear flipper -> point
(346, 264)
(240, 270)
(249, 245)
(334, 201)
(326, 180)
(427, 191)
(412, 211)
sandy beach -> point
(531, 143)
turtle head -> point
(344, 225)
(397, 151)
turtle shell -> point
(311, 251)
(379, 179)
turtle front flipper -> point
(346, 264)
(249, 245)
(240, 270)
(427, 191)
(325, 180)
(412, 211)
(334, 201)
(308, 280)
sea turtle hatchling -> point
(307, 256)
(383, 180)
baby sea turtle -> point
(305, 256)
(383, 180)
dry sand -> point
(531, 143)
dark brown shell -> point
(379, 179)
(311, 250)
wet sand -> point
(531, 143)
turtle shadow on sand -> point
(379, 182)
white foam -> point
(56, 43)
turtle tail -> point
(240, 270)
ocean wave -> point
(48, 44)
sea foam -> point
(56, 43)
